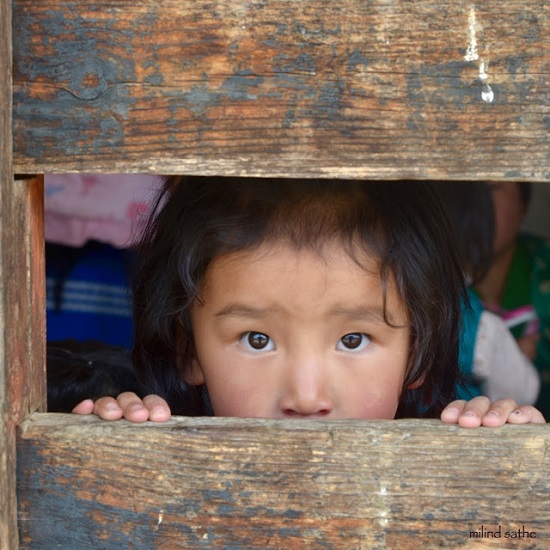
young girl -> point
(299, 299)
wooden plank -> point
(358, 88)
(243, 483)
(24, 296)
(23, 333)
(8, 517)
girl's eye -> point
(257, 341)
(355, 341)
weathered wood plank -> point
(8, 516)
(22, 327)
(23, 273)
(23, 316)
(230, 483)
(359, 88)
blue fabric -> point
(88, 295)
(470, 322)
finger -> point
(84, 407)
(526, 415)
(474, 411)
(498, 412)
(107, 408)
(451, 413)
(159, 411)
(132, 407)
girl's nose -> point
(306, 391)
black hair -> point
(469, 205)
(525, 192)
(197, 219)
(87, 370)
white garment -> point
(499, 364)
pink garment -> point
(526, 314)
(108, 208)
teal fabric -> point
(470, 321)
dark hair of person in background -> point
(87, 370)
(470, 208)
(197, 219)
(525, 192)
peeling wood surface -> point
(23, 274)
(357, 88)
(229, 483)
(22, 328)
(8, 517)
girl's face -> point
(281, 333)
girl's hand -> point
(481, 412)
(127, 405)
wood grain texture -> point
(24, 296)
(23, 330)
(357, 88)
(229, 483)
(8, 510)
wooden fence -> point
(356, 88)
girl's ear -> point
(193, 374)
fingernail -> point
(516, 412)
(493, 413)
(156, 412)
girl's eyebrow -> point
(361, 313)
(241, 310)
(358, 313)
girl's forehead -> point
(325, 248)
(279, 273)
(332, 255)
